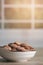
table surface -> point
(37, 60)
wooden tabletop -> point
(37, 60)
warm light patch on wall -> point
(17, 1)
(17, 13)
(39, 2)
(17, 25)
(21, 14)
(38, 25)
(39, 13)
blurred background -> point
(21, 20)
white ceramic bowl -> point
(16, 56)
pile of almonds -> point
(16, 46)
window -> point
(18, 25)
(39, 25)
(17, 1)
(17, 13)
(39, 2)
(0, 9)
(21, 14)
(38, 13)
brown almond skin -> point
(31, 47)
(12, 45)
(17, 43)
(22, 49)
(28, 48)
(25, 46)
(7, 47)
(14, 50)
(16, 47)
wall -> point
(33, 37)
(21, 20)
